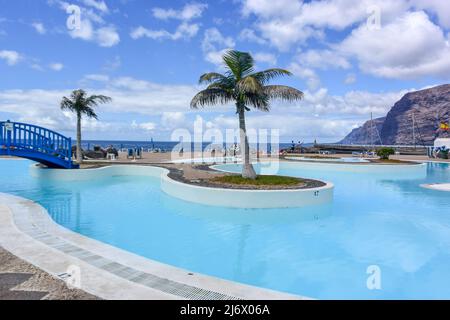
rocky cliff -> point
(425, 108)
(362, 134)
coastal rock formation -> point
(362, 135)
(425, 108)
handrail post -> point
(70, 153)
(8, 139)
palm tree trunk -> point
(247, 168)
(79, 153)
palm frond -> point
(67, 104)
(90, 113)
(80, 103)
(240, 63)
(241, 85)
(221, 86)
(96, 100)
(249, 84)
(285, 93)
(213, 96)
(227, 83)
(257, 101)
(211, 77)
(269, 74)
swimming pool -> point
(209, 160)
(378, 217)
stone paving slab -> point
(20, 280)
(8, 283)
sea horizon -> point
(161, 145)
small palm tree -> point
(244, 87)
(82, 105)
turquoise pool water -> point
(377, 218)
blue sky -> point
(148, 55)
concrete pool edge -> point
(211, 196)
(410, 171)
(108, 272)
(442, 187)
(248, 199)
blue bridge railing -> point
(36, 143)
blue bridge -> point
(36, 143)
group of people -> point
(98, 152)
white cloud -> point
(249, 35)
(104, 36)
(417, 47)
(96, 77)
(11, 57)
(301, 127)
(130, 96)
(350, 78)
(408, 43)
(214, 45)
(189, 12)
(99, 5)
(37, 66)
(107, 36)
(439, 7)
(173, 120)
(56, 66)
(140, 32)
(39, 27)
(282, 34)
(267, 58)
(93, 27)
(307, 74)
(286, 23)
(213, 37)
(353, 104)
(270, 8)
(183, 31)
(148, 126)
(305, 64)
(322, 59)
(335, 115)
(84, 32)
(340, 14)
(216, 57)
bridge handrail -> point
(39, 127)
(36, 139)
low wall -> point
(238, 198)
(235, 198)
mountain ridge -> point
(426, 109)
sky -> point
(351, 58)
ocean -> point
(163, 146)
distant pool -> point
(379, 217)
(346, 160)
(209, 160)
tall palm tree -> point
(82, 105)
(245, 88)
